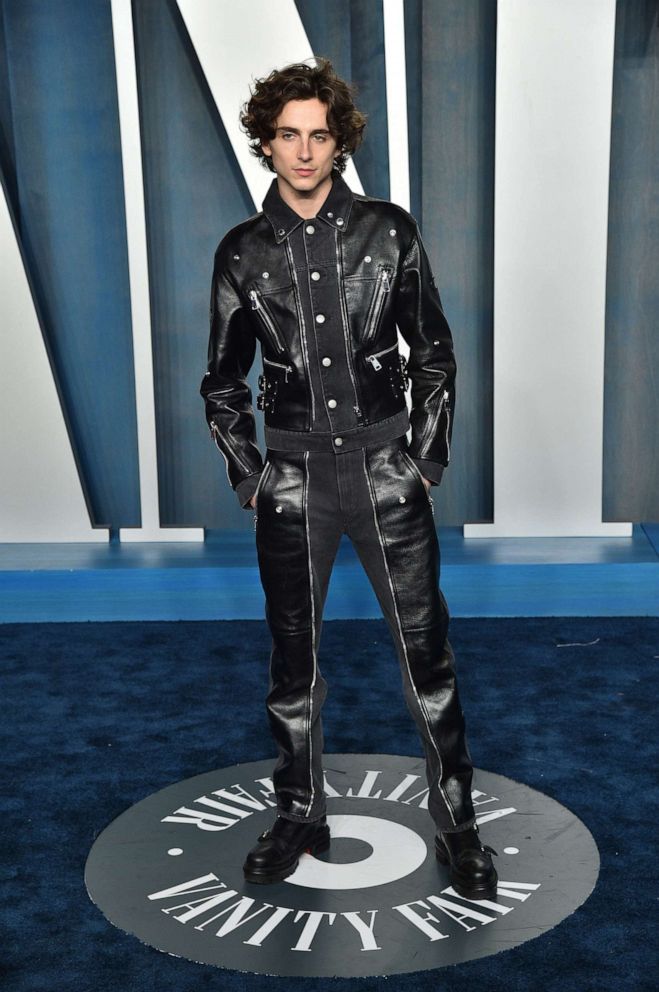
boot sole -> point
(486, 891)
(263, 876)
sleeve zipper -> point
(215, 434)
(430, 427)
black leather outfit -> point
(323, 296)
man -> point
(322, 277)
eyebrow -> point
(316, 130)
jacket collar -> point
(335, 211)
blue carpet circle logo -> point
(169, 871)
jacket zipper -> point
(383, 285)
(448, 418)
(432, 423)
(373, 359)
(346, 325)
(215, 434)
(258, 304)
(280, 365)
(303, 329)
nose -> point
(305, 150)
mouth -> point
(304, 172)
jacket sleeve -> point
(226, 393)
(431, 363)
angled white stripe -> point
(41, 498)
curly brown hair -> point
(300, 81)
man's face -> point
(303, 150)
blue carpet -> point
(98, 715)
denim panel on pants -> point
(375, 494)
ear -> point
(265, 148)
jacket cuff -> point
(246, 489)
(430, 470)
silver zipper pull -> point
(377, 365)
(254, 298)
(385, 280)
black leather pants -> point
(375, 494)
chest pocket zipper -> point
(279, 365)
(258, 304)
(374, 358)
(382, 287)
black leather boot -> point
(279, 848)
(472, 872)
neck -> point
(306, 204)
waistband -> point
(357, 437)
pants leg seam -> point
(382, 541)
(305, 504)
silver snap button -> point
(338, 441)
(329, 213)
(392, 231)
(339, 220)
(281, 231)
(327, 361)
(367, 258)
(236, 257)
(331, 404)
(279, 509)
(310, 228)
(315, 276)
(320, 318)
(435, 342)
(401, 499)
(266, 275)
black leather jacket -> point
(323, 297)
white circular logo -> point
(397, 851)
